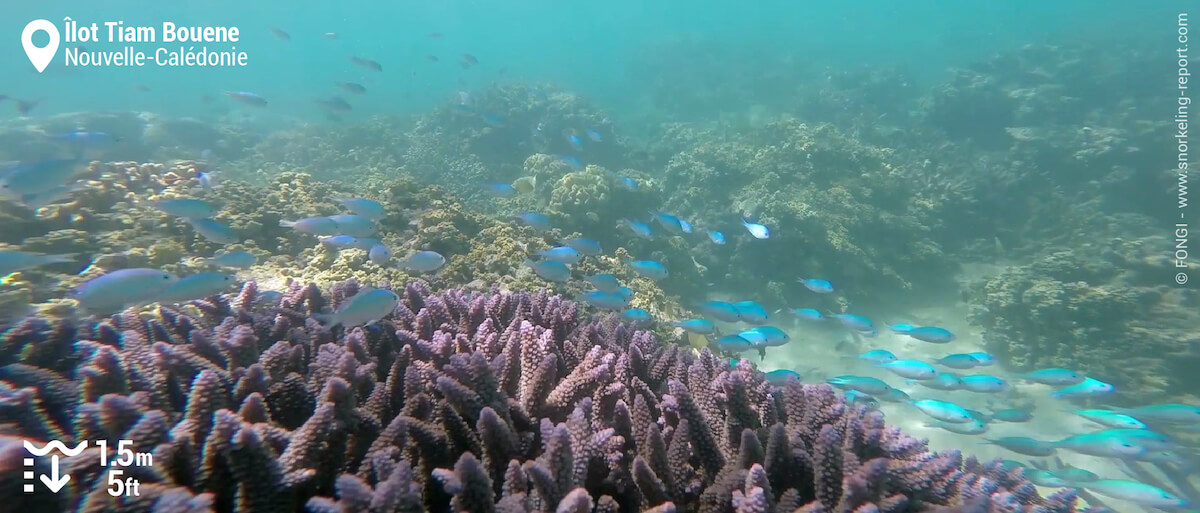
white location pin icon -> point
(40, 57)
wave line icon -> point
(55, 444)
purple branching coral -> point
(503, 402)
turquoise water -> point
(602, 50)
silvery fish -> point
(974, 427)
(197, 286)
(911, 369)
(423, 261)
(119, 289)
(353, 225)
(944, 411)
(37, 177)
(720, 310)
(699, 327)
(943, 381)
(14, 261)
(984, 384)
(878, 356)
(339, 242)
(379, 254)
(649, 269)
(864, 384)
(366, 307)
(564, 254)
(931, 334)
(1101, 444)
(958, 361)
(809, 314)
(539, 222)
(750, 312)
(312, 225)
(369, 209)
(1171, 413)
(1111, 419)
(587, 247)
(1054, 377)
(756, 230)
(1089, 387)
(604, 282)
(239, 259)
(1024, 445)
(552, 270)
(638, 228)
(603, 300)
(214, 231)
(1135, 492)
(186, 207)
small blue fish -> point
(604, 282)
(638, 228)
(931, 334)
(984, 384)
(669, 222)
(1151, 440)
(1170, 413)
(500, 190)
(1024, 445)
(856, 398)
(1076, 475)
(575, 141)
(984, 359)
(424, 262)
(369, 209)
(699, 327)
(1044, 478)
(855, 322)
(961, 361)
(312, 226)
(575, 162)
(878, 356)
(756, 230)
(911, 369)
(247, 98)
(603, 300)
(38, 176)
(197, 286)
(720, 310)
(353, 225)
(685, 226)
(594, 135)
(239, 259)
(552, 270)
(780, 377)
(1135, 492)
(339, 242)
(809, 314)
(493, 119)
(214, 231)
(366, 307)
(1054, 377)
(943, 381)
(716, 237)
(379, 255)
(366, 243)
(1011, 415)
(944, 411)
(734, 344)
(207, 180)
(625, 291)
(1102, 444)
(564, 254)
(587, 247)
(865, 384)
(628, 184)
(974, 427)
(637, 316)
(1089, 387)
(901, 328)
(539, 222)
(751, 312)
(894, 395)
(771, 336)
(122, 288)
(649, 269)
(817, 285)
(1111, 419)
(186, 207)
(14, 261)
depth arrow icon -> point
(54, 481)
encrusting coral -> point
(477, 402)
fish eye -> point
(166, 276)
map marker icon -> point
(40, 57)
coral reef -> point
(480, 402)
(1101, 309)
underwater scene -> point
(530, 256)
